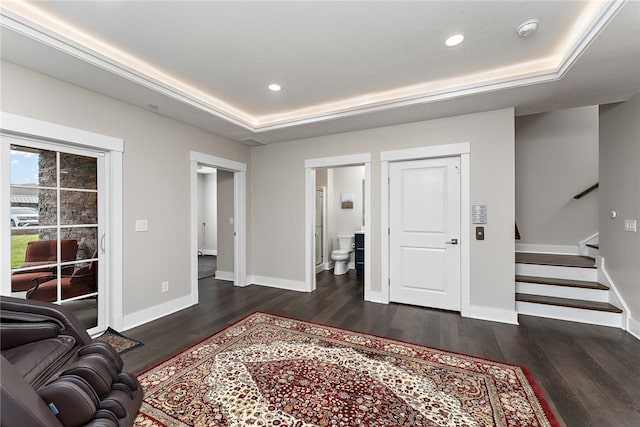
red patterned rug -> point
(268, 370)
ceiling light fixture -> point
(454, 40)
(275, 87)
(527, 28)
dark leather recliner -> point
(54, 375)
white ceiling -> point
(342, 65)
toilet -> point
(340, 257)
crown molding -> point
(22, 19)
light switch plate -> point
(142, 225)
(630, 225)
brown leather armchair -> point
(54, 375)
(83, 281)
(43, 252)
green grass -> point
(19, 247)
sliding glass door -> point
(57, 233)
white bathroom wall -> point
(207, 213)
(344, 221)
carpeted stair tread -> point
(568, 302)
(555, 260)
(562, 282)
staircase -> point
(563, 287)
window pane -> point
(24, 216)
(32, 167)
(78, 207)
(86, 310)
(20, 240)
(78, 172)
(47, 207)
(87, 241)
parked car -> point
(23, 217)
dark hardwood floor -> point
(589, 374)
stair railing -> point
(587, 191)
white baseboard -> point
(548, 249)
(633, 327)
(492, 314)
(276, 282)
(224, 275)
(209, 252)
(152, 313)
(373, 296)
(615, 297)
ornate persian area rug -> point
(267, 370)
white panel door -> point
(424, 232)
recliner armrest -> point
(16, 334)
(70, 324)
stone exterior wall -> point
(76, 207)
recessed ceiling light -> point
(275, 87)
(454, 40)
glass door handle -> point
(102, 243)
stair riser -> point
(592, 252)
(571, 273)
(562, 291)
(571, 314)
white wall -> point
(277, 188)
(156, 175)
(557, 158)
(207, 213)
(620, 191)
(344, 221)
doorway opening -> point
(230, 236)
(318, 174)
(207, 221)
(341, 219)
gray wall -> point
(225, 228)
(277, 188)
(557, 158)
(619, 191)
(156, 175)
(157, 179)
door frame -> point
(462, 150)
(323, 265)
(310, 166)
(26, 127)
(239, 171)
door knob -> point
(452, 242)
